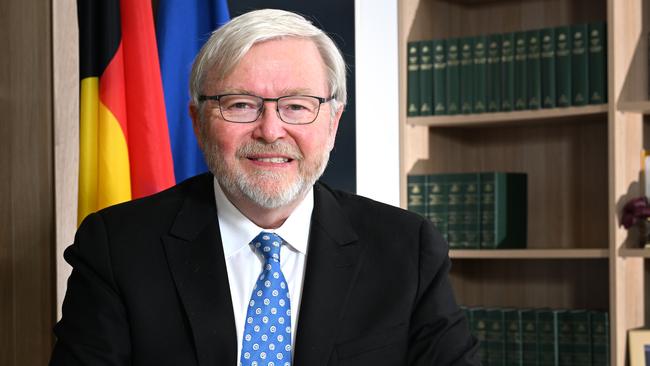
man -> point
(260, 264)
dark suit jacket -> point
(149, 287)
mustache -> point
(278, 147)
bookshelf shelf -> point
(518, 117)
(531, 254)
(635, 252)
(635, 107)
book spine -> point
(466, 75)
(513, 337)
(480, 74)
(529, 341)
(579, 65)
(597, 63)
(426, 78)
(439, 77)
(487, 208)
(600, 338)
(547, 62)
(547, 328)
(582, 353)
(453, 76)
(510, 210)
(413, 80)
(493, 78)
(565, 339)
(471, 211)
(563, 66)
(507, 71)
(437, 202)
(520, 71)
(416, 185)
(455, 211)
(479, 329)
(495, 338)
(533, 69)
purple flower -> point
(634, 211)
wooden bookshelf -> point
(582, 164)
(635, 107)
(531, 254)
(634, 253)
(516, 117)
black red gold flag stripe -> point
(124, 150)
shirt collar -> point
(237, 231)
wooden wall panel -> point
(26, 184)
(65, 40)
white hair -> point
(228, 45)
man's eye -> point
(296, 107)
(240, 105)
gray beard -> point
(239, 184)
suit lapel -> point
(196, 260)
(333, 261)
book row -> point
(542, 68)
(486, 210)
(540, 337)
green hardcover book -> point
(455, 210)
(453, 76)
(493, 77)
(479, 329)
(439, 76)
(495, 337)
(416, 185)
(563, 66)
(597, 63)
(513, 337)
(413, 79)
(534, 69)
(582, 352)
(426, 78)
(503, 206)
(471, 211)
(466, 75)
(565, 339)
(579, 65)
(521, 100)
(547, 63)
(507, 71)
(480, 74)
(547, 332)
(529, 341)
(437, 202)
(600, 338)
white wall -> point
(377, 128)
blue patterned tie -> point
(267, 334)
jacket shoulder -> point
(160, 209)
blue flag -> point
(181, 29)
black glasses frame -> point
(321, 100)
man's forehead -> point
(296, 58)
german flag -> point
(124, 150)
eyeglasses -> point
(245, 108)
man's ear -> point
(195, 114)
(334, 126)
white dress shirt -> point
(244, 265)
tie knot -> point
(268, 244)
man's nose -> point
(269, 125)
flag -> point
(182, 27)
(124, 149)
